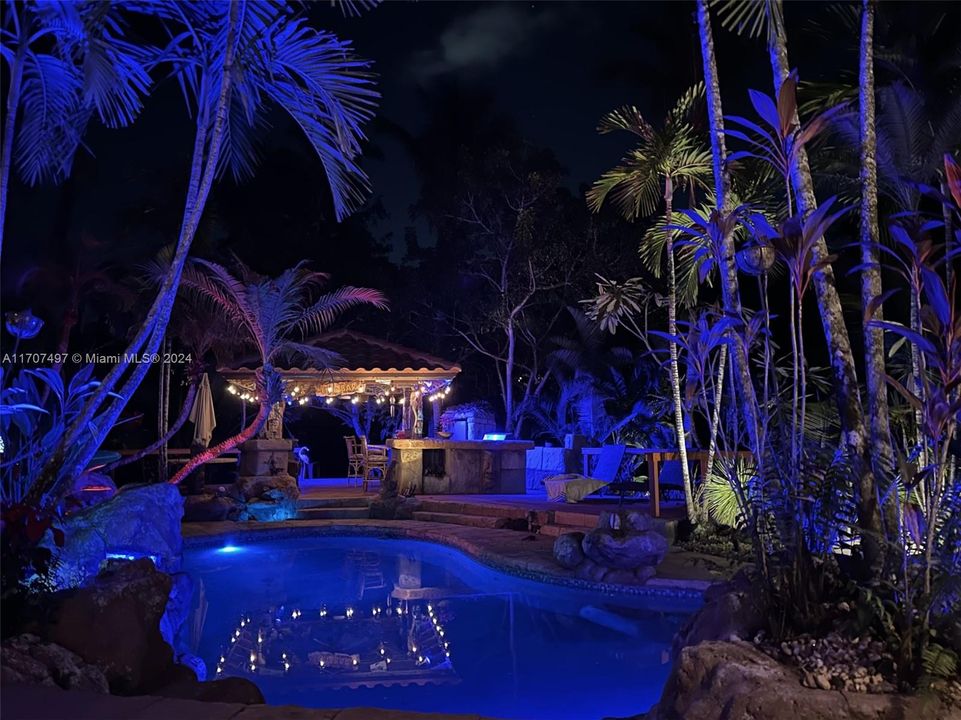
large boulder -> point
(732, 610)
(28, 660)
(268, 511)
(724, 680)
(269, 487)
(269, 497)
(625, 551)
(139, 521)
(567, 550)
(208, 507)
(114, 623)
(182, 683)
(89, 489)
(631, 521)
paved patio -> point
(328, 488)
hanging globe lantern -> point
(23, 324)
(755, 259)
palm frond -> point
(322, 313)
(689, 255)
(318, 358)
(51, 119)
(686, 105)
(328, 92)
(633, 186)
(115, 77)
(629, 119)
(754, 18)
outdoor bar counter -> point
(435, 466)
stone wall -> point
(543, 462)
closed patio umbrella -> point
(202, 414)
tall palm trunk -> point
(730, 293)
(715, 424)
(679, 426)
(829, 303)
(229, 444)
(877, 401)
(9, 127)
(853, 434)
(206, 155)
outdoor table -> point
(654, 457)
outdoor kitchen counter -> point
(437, 466)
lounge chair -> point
(572, 487)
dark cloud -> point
(483, 39)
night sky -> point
(550, 68)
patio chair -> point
(355, 459)
(375, 460)
(572, 487)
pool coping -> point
(470, 541)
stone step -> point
(333, 513)
(577, 520)
(482, 521)
(343, 502)
(479, 509)
(556, 530)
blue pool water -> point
(314, 621)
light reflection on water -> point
(337, 621)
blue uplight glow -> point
(228, 549)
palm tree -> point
(673, 156)
(767, 16)
(730, 293)
(234, 60)
(874, 367)
(64, 61)
(274, 316)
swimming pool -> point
(404, 624)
